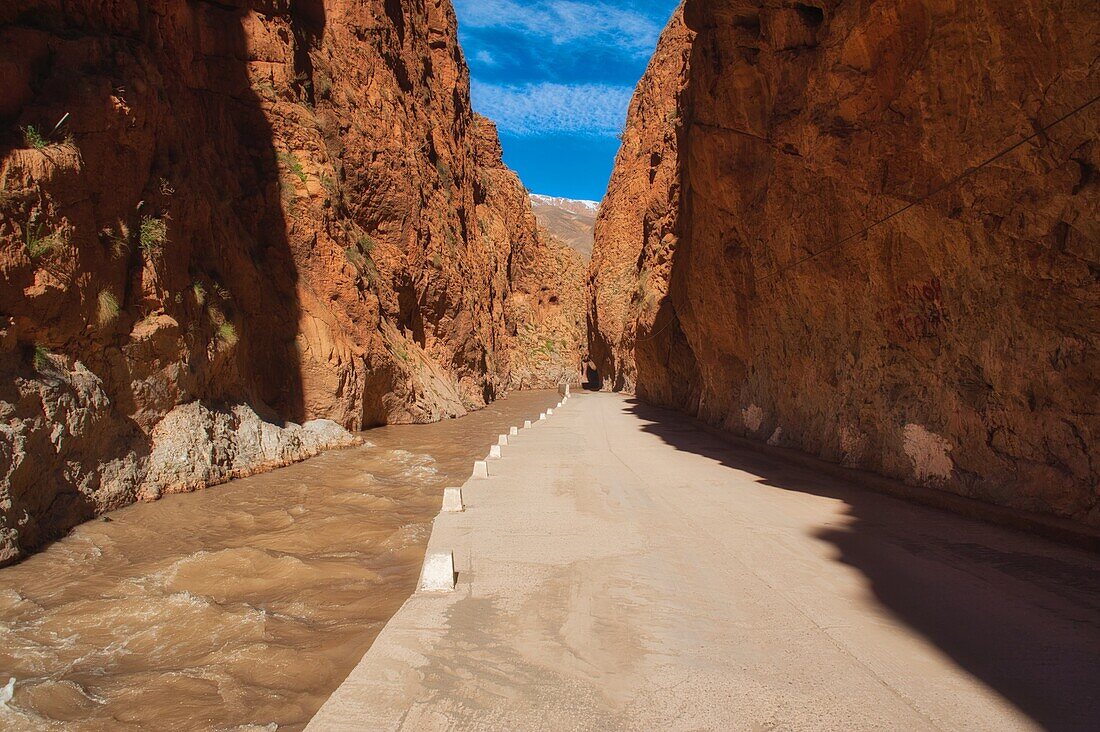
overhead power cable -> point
(938, 189)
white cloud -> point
(566, 22)
(485, 58)
(533, 109)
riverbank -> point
(246, 604)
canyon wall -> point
(637, 228)
(835, 286)
(545, 339)
(219, 221)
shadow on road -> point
(1019, 613)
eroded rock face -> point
(249, 202)
(637, 228)
(544, 312)
(953, 344)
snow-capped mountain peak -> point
(566, 203)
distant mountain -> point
(570, 221)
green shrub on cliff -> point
(291, 162)
(108, 308)
(227, 334)
(118, 242)
(42, 360)
(153, 235)
(38, 244)
(33, 137)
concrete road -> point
(622, 570)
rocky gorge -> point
(869, 231)
(843, 293)
(220, 221)
(544, 311)
(232, 234)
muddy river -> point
(240, 607)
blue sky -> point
(557, 77)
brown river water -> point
(240, 607)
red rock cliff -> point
(544, 310)
(834, 288)
(251, 206)
(638, 225)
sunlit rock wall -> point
(953, 345)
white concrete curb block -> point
(549, 412)
(438, 574)
(527, 424)
(495, 453)
(502, 440)
(481, 469)
(452, 500)
(513, 431)
(542, 416)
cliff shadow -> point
(179, 208)
(219, 179)
(250, 206)
(1018, 613)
